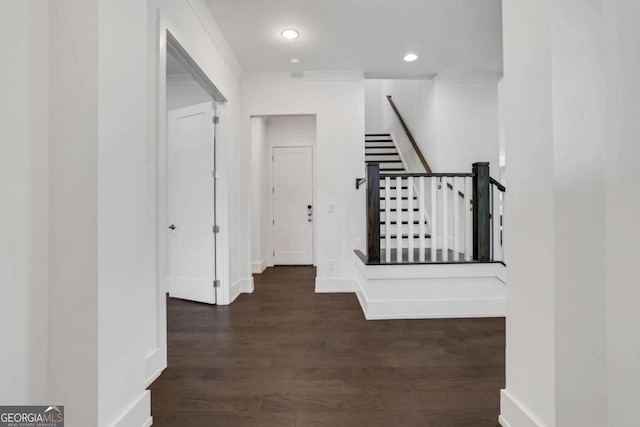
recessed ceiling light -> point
(294, 61)
(290, 34)
(410, 57)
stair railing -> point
(421, 157)
(421, 217)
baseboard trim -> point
(514, 414)
(258, 267)
(335, 285)
(242, 286)
(431, 309)
(137, 414)
(155, 363)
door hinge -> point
(274, 222)
(215, 120)
(216, 228)
(273, 190)
(216, 283)
(273, 157)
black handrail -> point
(498, 185)
(360, 181)
(428, 175)
(410, 136)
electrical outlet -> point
(332, 208)
(332, 264)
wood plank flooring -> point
(285, 356)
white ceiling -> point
(449, 36)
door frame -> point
(159, 38)
(271, 210)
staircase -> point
(380, 148)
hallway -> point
(286, 356)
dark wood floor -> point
(285, 356)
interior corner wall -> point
(24, 143)
(339, 109)
(258, 196)
(622, 204)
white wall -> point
(571, 213)
(338, 103)
(374, 118)
(466, 115)
(73, 208)
(24, 106)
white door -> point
(292, 206)
(191, 245)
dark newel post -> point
(373, 212)
(481, 212)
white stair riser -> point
(393, 216)
(404, 229)
(394, 203)
(382, 158)
(405, 243)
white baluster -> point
(434, 218)
(422, 218)
(387, 220)
(445, 219)
(468, 229)
(456, 219)
(399, 219)
(410, 220)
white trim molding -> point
(242, 286)
(155, 363)
(425, 291)
(514, 414)
(335, 285)
(137, 414)
(258, 267)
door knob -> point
(173, 227)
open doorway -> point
(189, 214)
(283, 192)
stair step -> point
(403, 210)
(395, 198)
(378, 140)
(377, 134)
(378, 153)
(405, 236)
(398, 170)
(401, 222)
